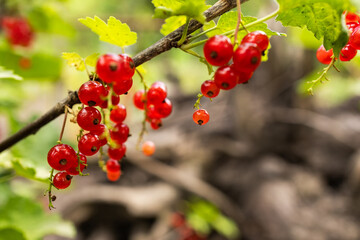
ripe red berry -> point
(201, 116)
(347, 53)
(108, 67)
(100, 132)
(61, 157)
(148, 148)
(115, 100)
(225, 78)
(352, 18)
(89, 118)
(73, 170)
(352, 25)
(324, 56)
(117, 153)
(244, 77)
(112, 165)
(118, 113)
(123, 86)
(139, 99)
(18, 31)
(209, 89)
(127, 67)
(164, 108)
(155, 123)
(152, 113)
(156, 93)
(62, 180)
(120, 133)
(259, 38)
(92, 93)
(89, 144)
(354, 39)
(247, 57)
(218, 50)
(113, 176)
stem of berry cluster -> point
(320, 79)
(143, 127)
(238, 21)
(49, 189)
(63, 125)
(184, 34)
(197, 103)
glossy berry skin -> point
(62, 180)
(127, 67)
(244, 77)
(148, 148)
(201, 116)
(73, 170)
(324, 56)
(117, 153)
(155, 123)
(112, 165)
(89, 144)
(354, 39)
(259, 38)
(113, 176)
(352, 25)
(225, 78)
(247, 57)
(92, 93)
(61, 157)
(100, 132)
(209, 89)
(118, 113)
(347, 53)
(123, 86)
(120, 133)
(152, 113)
(115, 100)
(218, 50)
(89, 118)
(164, 108)
(109, 67)
(139, 99)
(352, 18)
(156, 93)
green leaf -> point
(9, 74)
(321, 17)
(92, 59)
(172, 23)
(113, 32)
(11, 233)
(26, 171)
(74, 60)
(226, 227)
(190, 8)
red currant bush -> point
(62, 180)
(218, 50)
(61, 157)
(201, 116)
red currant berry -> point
(352, 25)
(201, 116)
(123, 86)
(139, 99)
(354, 39)
(324, 56)
(92, 93)
(244, 77)
(108, 67)
(74, 170)
(218, 50)
(347, 53)
(117, 153)
(61, 157)
(115, 100)
(155, 123)
(62, 180)
(247, 57)
(164, 108)
(209, 89)
(127, 67)
(157, 93)
(89, 144)
(89, 118)
(352, 18)
(148, 148)
(112, 165)
(259, 38)
(120, 133)
(225, 78)
(152, 113)
(18, 31)
(100, 132)
(118, 114)
(113, 176)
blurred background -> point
(273, 163)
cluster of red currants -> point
(155, 102)
(349, 51)
(185, 232)
(218, 51)
(18, 31)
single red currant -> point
(247, 57)
(123, 86)
(92, 93)
(152, 113)
(225, 78)
(89, 144)
(120, 133)
(156, 93)
(218, 50)
(244, 77)
(113, 176)
(347, 53)
(100, 132)
(118, 113)
(324, 56)
(89, 118)
(155, 123)
(354, 39)
(352, 25)
(117, 153)
(164, 108)
(209, 89)
(112, 165)
(259, 38)
(62, 180)
(352, 17)
(74, 170)
(115, 100)
(201, 116)
(108, 67)
(139, 99)
(127, 67)
(148, 148)
(61, 157)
